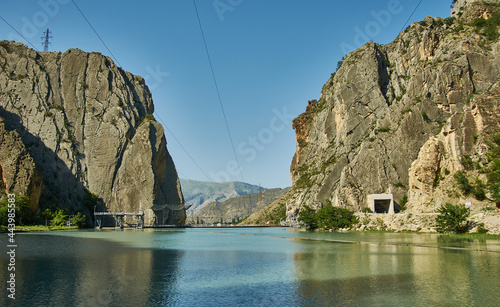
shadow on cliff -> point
(54, 172)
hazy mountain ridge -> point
(198, 194)
(238, 208)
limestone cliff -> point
(18, 172)
(87, 125)
(433, 90)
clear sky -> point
(269, 59)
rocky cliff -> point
(87, 126)
(397, 118)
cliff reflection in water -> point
(387, 274)
(56, 270)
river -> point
(250, 267)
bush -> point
(466, 162)
(488, 27)
(453, 218)
(307, 218)
(149, 117)
(366, 210)
(328, 217)
(478, 190)
(403, 202)
(24, 214)
(59, 218)
(79, 220)
(463, 182)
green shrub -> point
(149, 117)
(463, 183)
(59, 218)
(403, 202)
(328, 217)
(478, 190)
(382, 129)
(24, 214)
(366, 210)
(79, 220)
(488, 27)
(307, 218)
(466, 161)
(453, 218)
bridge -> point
(119, 218)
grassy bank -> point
(3, 229)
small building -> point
(381, 203)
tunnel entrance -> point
(381, 203)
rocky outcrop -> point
(422, 222)
(468, 10)
(422, 97)
(88, 126)
(431, 183)
(18, 172)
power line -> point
(96, 33)
(19, 33)
(217, 89)
(187, 153)
(158, 116)
(411, 16)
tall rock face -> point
(419, 100)
(88, 127)
(18, 172)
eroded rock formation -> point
(396, 118)
(87, 125)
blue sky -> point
(269, 59)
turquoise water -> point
(249, 267)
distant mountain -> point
(238, 208)
(200, 193)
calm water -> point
(249, 267)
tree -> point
(453, 218)
(307, 218)
(24, 214)
(59, 218)
(4, 215)
(330, 217)
(79, 220)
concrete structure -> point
(381, 203)
(119, 218)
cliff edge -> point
(88, 127)
(399, 118)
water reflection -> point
(362, 274)
(73, 271)
(247, 267)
